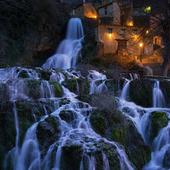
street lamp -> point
(141, 44)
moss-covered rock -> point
(158, 120)
(115, 126)
(48, 131)
(45, 75)
(67, 115)
(23, 74)
(33, 88)
(58, 91)
(165, 87)
(72, 85)
(98, 123)
(141, 92)
(71, 157)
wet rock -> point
(58, 91)
(158, 120)
(67, 115)
(71, 157)
(72, 85)
(105, 101)
(4, 92)
(64, 101)
(79, 86)
(48, 131)
(166, 160)
(115, 126)
(112, 85)
(86, 153)
(44, 74)
(98, 122)
(141, 92)
(34, 89)
(165, 87)
(23, 74)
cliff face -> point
(30, 30)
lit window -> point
(110, 33)
(148, 9)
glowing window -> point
(148, 9)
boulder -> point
(115, 126)
(158, 120)
(140, 92)
(71, 157)
(67, 115)
(58, 91)
(48, 132)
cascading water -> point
(76, 132)
(158, 97)
(141, 118)
(125, 90)
(69, 49)
(97, 84)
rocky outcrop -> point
(158, 120)
(110, 129)
(115, 126)
(48, 131)
(141, 92)
(30, 30)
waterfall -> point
(97, 84)
(17, 128)
(161, 146)
(141, 118)
(158, 97)
(29, 157)
(69, 49)
(76, 132)
(125, 90)
(106, 165)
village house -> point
(121, 29)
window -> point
(157, 40)
(148, 9)
(110, 30)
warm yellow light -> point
(95, 17)
(141, 45)
(130, 23)
(147, 31)
(135, 37)
(90, 12)
(91, 16)
(109, 35)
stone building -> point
(122, 28)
